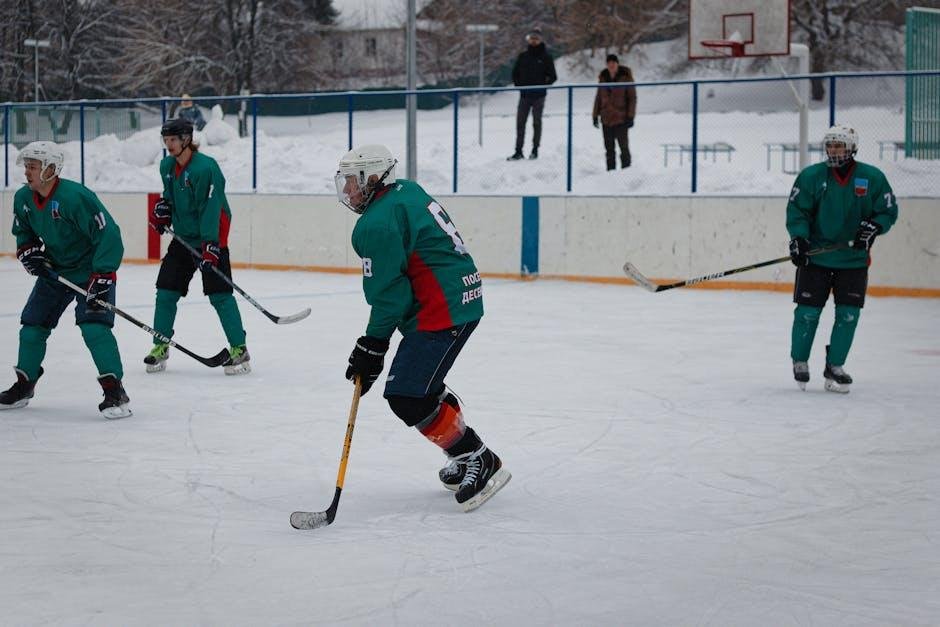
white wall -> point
(667, 238)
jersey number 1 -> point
(441, 217)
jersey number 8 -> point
(444, 221)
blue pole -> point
(254, 144)
(349, 116)
(456, 106)
(832, 100)
(570, 109)
(6, 145)
(694, 137)
(81, 139)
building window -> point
(371, 47)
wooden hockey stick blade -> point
(631, 271)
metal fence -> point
(709, 136)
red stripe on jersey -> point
(433, 314)
(153, 238)
(224, 224)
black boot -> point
(515, 156)
(484, 476)
(115, 400)
(535, 153)
(20, 392)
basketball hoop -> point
(735, 48)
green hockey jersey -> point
(197, 192)
(79, 235)
(827, 211)
(416, 271)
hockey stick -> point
(644, 282)
(300, 315)
(212, 362)
(315, 520)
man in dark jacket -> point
(616, 107)
(534, 66)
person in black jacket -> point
(534, 66)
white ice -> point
(666, 469)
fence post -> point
(456, 107)
(349, 116)
(81, 139)
(254, 144)
(6, 145)
(694, 158)
(570, 110)
(832, 100)
(162, 120)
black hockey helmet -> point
(176, 126)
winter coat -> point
(534, 66)
(615, 105)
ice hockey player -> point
(61, 228)
(194, 203)
(836, 202)
(418, 278)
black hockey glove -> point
(799, 246)
(161, 216)
(865, 236)
(100, 285)
(33, 259)
(367, 360)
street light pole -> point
(37, 44)
(482, 29)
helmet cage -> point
(840, 134)
(47, 154)
(370, 166)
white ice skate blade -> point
(802, 385)
(494, 485)
(452, 487)
(242, 368)
(157, 367)
(838, 388)
(116, 413)
(23, 402)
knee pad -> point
(847, 315)
(94, 333)
(808, 315)
(220, 300)
(413, 410)
(32, 334)
(168, 297)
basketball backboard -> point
(761, 27)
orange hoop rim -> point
(737, 47)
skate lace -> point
(474, 464)
(236, 352)
(159, 350)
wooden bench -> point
(704, 149)
(790, 153)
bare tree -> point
(20, 21)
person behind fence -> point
(843, 203)
(194, 203)
(534, 66)
(189, 111)
(615, 108)
(63, 230)
(418, 278)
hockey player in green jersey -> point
(61, 228)
(836, 202)
(418, 278)
(194, 203)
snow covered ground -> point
(299, 154)
(666, 469)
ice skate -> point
(156, 359)
(115, 401)
(20, 392)
(484, 476)
(837, 379)
(238, 360)
(452, 474)
(801, 373)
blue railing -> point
(695, 147)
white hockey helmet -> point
(368, 167)
(841, 134)
(46, 153)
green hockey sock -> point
(104, 349)
(805, 321)
(32, 349)
(230, 318)
(843, 332)
(164, 313)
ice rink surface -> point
(666, 469)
